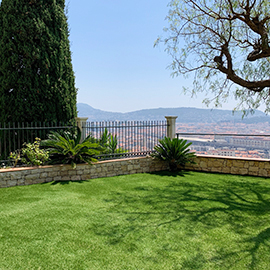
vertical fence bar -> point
(134, 137)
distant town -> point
(197, 121)
(257, 145)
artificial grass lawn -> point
(142, 221)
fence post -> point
(81, 124)
(171, 126)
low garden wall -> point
(231, 165)
(42, 174)
(36, 175)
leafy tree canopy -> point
(226, 45)
(37, 82)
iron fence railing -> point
(14, 135)
(134, 138)
(229, 144)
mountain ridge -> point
(185, 115)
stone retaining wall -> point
(36, 175)
(42, 174)
(231, 165)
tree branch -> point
(256, 86)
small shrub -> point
(15, 157)
(31, 154)
(173, 151)
(66, 148)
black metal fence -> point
(234, 145)
(134, 138)
(14, 135)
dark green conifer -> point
(36, 77)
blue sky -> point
(116, 67)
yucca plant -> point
(65, 148)
(173, 151)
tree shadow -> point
(171, 173)
(67, 182)
(213, 205)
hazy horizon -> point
(192, 107)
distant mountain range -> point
(185, 115)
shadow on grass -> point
(192, 202)
(170, 173)
(67, 182)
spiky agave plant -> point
(65, 148)
(173, 151)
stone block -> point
(234, 170)
(130, 167)
(66, 178)
(64, 173)
(86, 171)
(137, 166)
(5, 176)
(226, 170)
(85, 176)
(38, 180)
(14, 175)
(75, 178)
(256, 163)
(53, 174)
(82, 166)
(238, 164)
(57, 178)
(243, 171)
(28, 181)
(253, 169)
(261, 165)
(64, 168)
(215, 169)
(43, 175)
(20, 182)
(203, 164)
(32, 177)
(246, 164)
(267, 165)
(36, 171)
(263, 172)
(253, 173)
(229, 163)
(57, 168)
(216, 163)
(3, 184)
(80, 172)
(72, 172)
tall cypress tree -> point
(37, 81)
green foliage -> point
(15, 157)
(174, 152)
(66, 148)
(30, 154)
(224, 46)
(110, 143)
(37, 81)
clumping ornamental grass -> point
(161, 220)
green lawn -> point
(143, 221)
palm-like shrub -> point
(173, 151)
(65, 148)
(110, 143)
